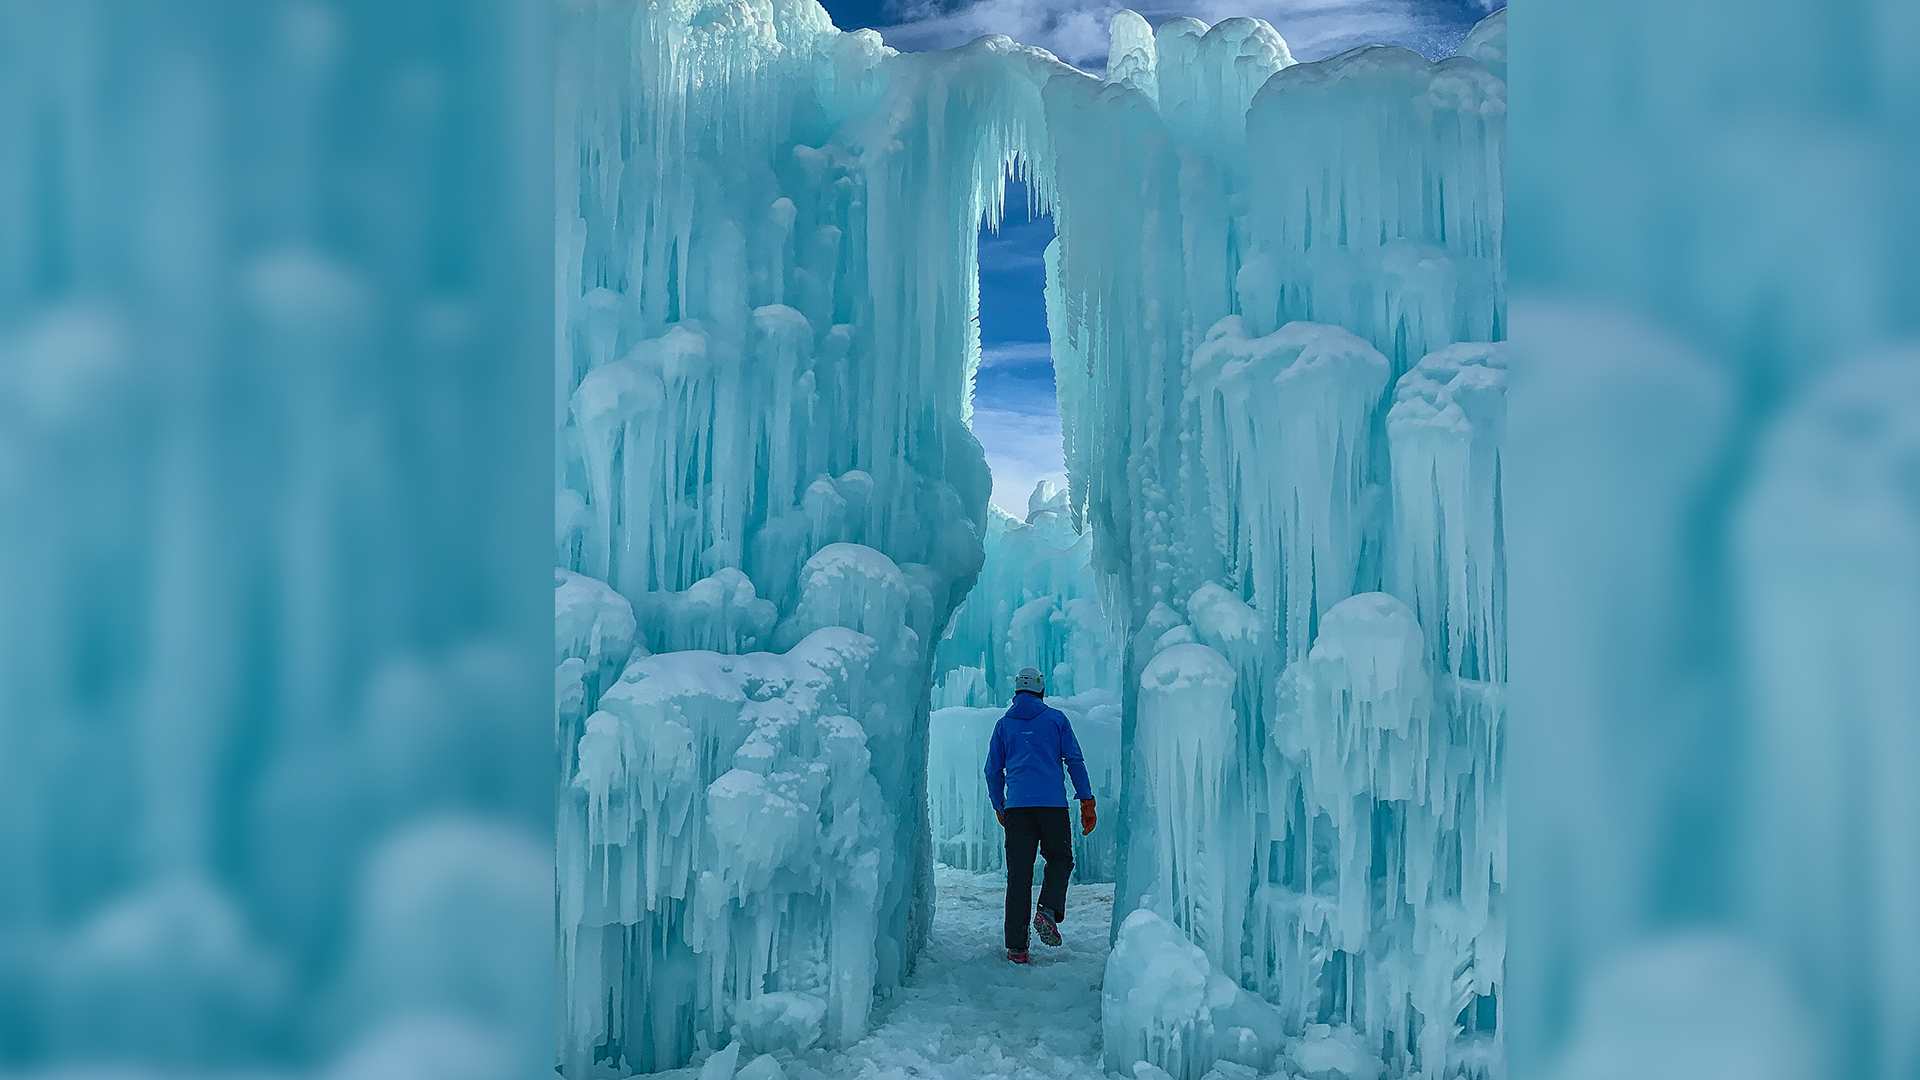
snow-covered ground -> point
(967, 1014)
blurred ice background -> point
(275, 729)
(1714, 515)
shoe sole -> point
(1048, 930)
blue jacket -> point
(1023, 760)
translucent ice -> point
(1285, 423)
(1164, 1005)
(732, 803)
(1274, 589)
(1188, 746)
(772, 506)
(1036, 604)
(1446, 427)
(1283, 426)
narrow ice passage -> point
(967, 1014)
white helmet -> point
(1029, 680)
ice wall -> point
(769, 505)
(1284, 402)
(1035, 605)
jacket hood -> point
(1026, 706)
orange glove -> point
(1002, 815)
(1087, 817)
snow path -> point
(968, 1013)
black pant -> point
(1028, 828)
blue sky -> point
(1015, 415)
(1076, 30)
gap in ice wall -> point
(1033, 606)
(1016, 413)
(1035, 603)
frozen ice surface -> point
(721, 612)
(783, 1019)
(1154, 999)
(765, 439)
(723, 1064)
(764, 1067)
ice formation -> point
(1284, 414)
(1036, 604)
(782, 506)
(1276, 577)
(1166, 1007)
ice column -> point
(1186, 739)
(1285, 432)
(1446, 427)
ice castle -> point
(1276, 298)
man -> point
(1029, 746)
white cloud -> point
(1076, 30)
(1007, 353)
(1005, 258)
(1022, 449)
(1022, 236)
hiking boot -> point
(1044, 925)
(1018, 956)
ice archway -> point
(771, 505)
